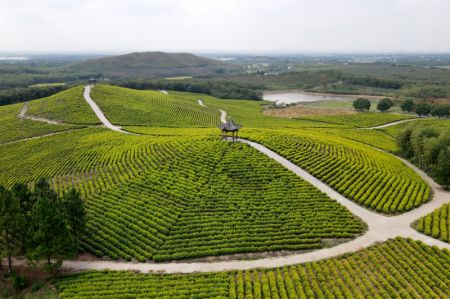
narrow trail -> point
(380, 228)
(393, 123)
(98, 112)
(23, 112)
(223, 114)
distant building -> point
(92, 81)
(230, 127)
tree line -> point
(40, 224)
(429, 148)
(421, 108)
(217, 88)
(24, 94)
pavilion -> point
(230, 127)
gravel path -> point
(223, 114)
(23, 112)
(98, 112)
(380, 228)
(393, 123)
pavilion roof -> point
(230, 125)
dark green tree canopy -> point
(361, 104)
(407, 105)
(385, 104)
(422, 109)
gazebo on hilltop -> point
(230, 127)
(92, 81)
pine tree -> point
(11, 223)
(74, 212)
(49, 231)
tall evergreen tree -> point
(49, 232)
(11, 223)
(442, 169)
(74, 212)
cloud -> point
(225, 25)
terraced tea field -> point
(128, 107)
(12, 128)
(369, 177)
(174, 191)
(436, 224)
(180, 197)
(401, 268)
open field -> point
(397, 268)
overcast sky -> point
(225, 25)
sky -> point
(251, 26)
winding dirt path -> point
(223, 114)
(380, 228)
(23, 112)
(394, 123)
(98, 112)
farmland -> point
(436, 224)
(365, 175)
(174, 192)
(397, 268)
(214, 206)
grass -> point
(128, 107)
(12, 128)
(47, 84)
(360, 120)
(400, 268)
(67, 106)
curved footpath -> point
(223, 114)
(98, 112)
(380, 228)
(394, 123)
(22, 115)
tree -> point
(442, 169)
(404, 143)
(26, 201)
(385, 104)
(11, 221)
(75, 213)
(407, 105)
(422, 109)
(49, 233)
(441, 111)
(361, 104)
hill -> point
(153, 64)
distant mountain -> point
(153, 64)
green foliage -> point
(407, 105)
(16, 95)
(360, 120)
(441, 111)
(140, 188)
(11, 224)
(74, 211)
(125, 106)
(12, 128)
(18, 282)
(442, 168)
(385, 104)
(436, 224)
(422, 109)
(50, 237)
(361, 104)
(216, 88)
(394, 269)
(369, 177)
(68, 106)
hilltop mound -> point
(153, 64)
